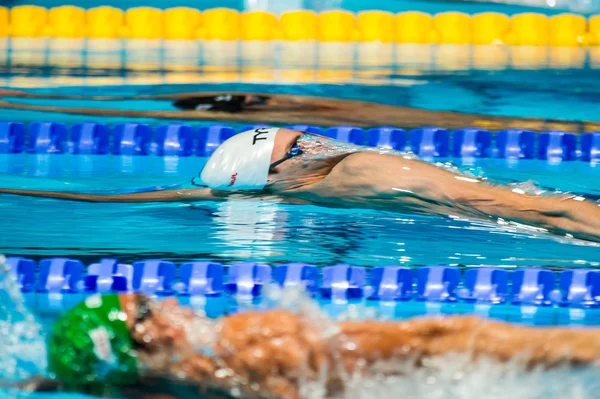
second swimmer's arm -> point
(278, 350)
(194, 194)
(546, 346)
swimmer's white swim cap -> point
(241, 162)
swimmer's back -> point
(380, 181)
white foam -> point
(22, 343)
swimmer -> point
(307, 168)
(269, 108)
(142, 346)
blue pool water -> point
(262, 230)
(229, 230)
(488, 93)
(271, 232)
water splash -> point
(459, 377)
(22, 342)
(454, 376)
(318, 147)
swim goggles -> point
(144, 309)
(293, 152)
(143, 312)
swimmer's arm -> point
(377, 340)
(187, 195)
(442, 192)
(580, 219)
(279, 349)
(434, 336)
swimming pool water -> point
(540, 94)
(263, 230)
(272, 232)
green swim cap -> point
(92, 344)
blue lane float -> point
(387, 137)
(557, 145)
(200, 279)
(297, 274)
(12, 137)
(132, 139)
(430, 142)
(184, 140)
(47, 138)
(307, 129)
(484, 285)
(579, 288)
(247, 279)
(437, 283)
(590, 147)
(471, 143)
(24, 269)
(532, 287)
(515, 143)
(343, 282)
(108, 275)
(60, 275)
(348, 134)
(153, 276)
(209, 138)
(174, 140)
(90, 138)
(391, 283)
(252, 127)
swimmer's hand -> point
(186, 195)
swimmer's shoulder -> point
(370, 173)
(353, 172)
(367, 163)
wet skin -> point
(274, 353)
(283, 109)
(270, 354)
(385, 182)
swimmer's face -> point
(295, 171)
(283, 142)
(156, 327)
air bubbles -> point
(223, 373)
(22, 342)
